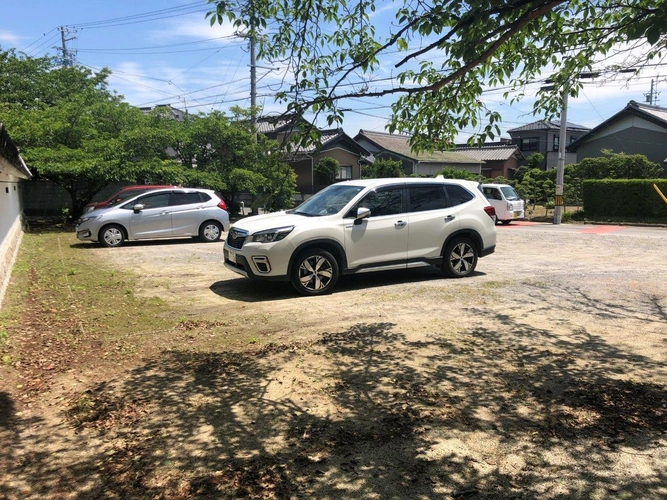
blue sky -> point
(166, 52)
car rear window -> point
(423, 198)
(185, 198)
(458, 195)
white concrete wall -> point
(11, 230)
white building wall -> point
(11, 230)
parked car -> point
(366, 225)
(163, 213)
(506, 201)
(123, 194)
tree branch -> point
(522, 22)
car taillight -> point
(490, 211)
(222, 205)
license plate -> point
(231, 256)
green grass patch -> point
(63, 283)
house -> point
(12, 172)
(544, 137)
(334, 143)
(173, 113)
(636, 129)
(396, 147)
(501, 159)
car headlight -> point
(272, 235)
(86, 219)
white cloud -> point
(198, 27)
(9, 38)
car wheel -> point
(460, 258)
(112, 236)
(315, 272)
(505, 222)
(210, 231)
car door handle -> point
(450, 218)
(400, 223)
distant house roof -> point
(548, 125)
(336, 137)
(10, 153)
(496, 152)
(272, 127)
(176, 114)
(275, 124)
(398, 144)
(654, 114)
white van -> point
(506, 201)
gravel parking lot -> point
(543, 375)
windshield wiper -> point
(305, 214)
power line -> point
(154, 15)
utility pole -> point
(560, 170)
(652, 96)
(67, 56)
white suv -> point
(366, 225)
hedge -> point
(625, 198)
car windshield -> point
(329, 201)
(509, 193)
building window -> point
(345, 172)
(573, 138)
(556, 141)
(530, 144)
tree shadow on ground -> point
(370, 412)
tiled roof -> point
(176, 114)
(9, 151)
(489, 153)
(397, 143)
(547, 125)
(645, 111)
(654, 111)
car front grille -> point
(236, 238)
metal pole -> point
(253, 76)
(560, 171)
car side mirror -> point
(362, 213)
(138, 208)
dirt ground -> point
(542, 376)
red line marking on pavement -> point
(602, 229)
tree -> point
(326, 171)
(74, 132)
(70, 128)
(448, 51)
(618, 166)
(383, 169)
(455, 173)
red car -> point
(122, 195)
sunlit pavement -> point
(587, 229)
(659, 231)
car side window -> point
(184, 199)
(492, 194)
(458, 194)
(383, 202)
(423, 198)
(158, 200)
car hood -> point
(274, 220)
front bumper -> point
(239, 264)
(85, 234)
